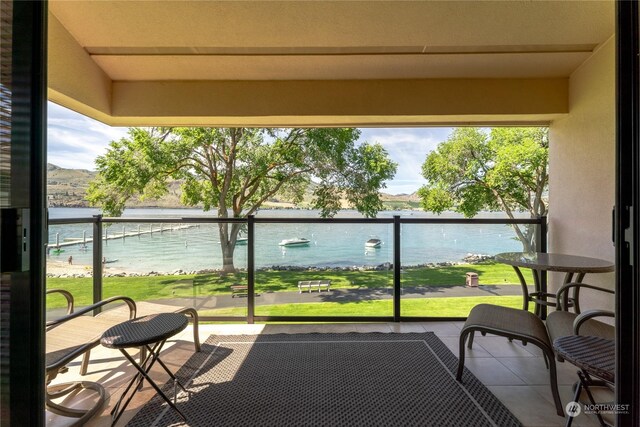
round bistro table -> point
(150, 332)
(540, 262)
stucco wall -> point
(582, 166)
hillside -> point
(67, 188)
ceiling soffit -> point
(156, 43)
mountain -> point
(400, 201)
(67, 188)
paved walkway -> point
(345, 295)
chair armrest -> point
(127, 300)
(562, 295)
(67, 295)
(587, 315)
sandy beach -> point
(58, 268)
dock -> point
(72, 241)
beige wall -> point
(582, 166)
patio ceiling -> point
(310, 63)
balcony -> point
(361, 299)
(572, 91)
(571, 88)
(416, 271)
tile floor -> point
(514, 373)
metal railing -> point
(396, 221)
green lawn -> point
(193, 286)
(417, 307)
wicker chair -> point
(93, 327)
(514, 324)
(562, 322)
(66, 339)
(594, 356)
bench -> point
(514, 324)
(311, 284)
(239, 290)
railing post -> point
(251, 296)
(396, 268)
(97, 259)
(541, 243)
(542, 234)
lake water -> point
(333, 245)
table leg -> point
(173, 377)
(137, 379)
(540, 310)
(576, 294)
(564, 303)
(525, 291)
(568, 278)
(143, 373)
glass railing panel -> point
(446, 268)
(295, 261)
(449, 268)
(174, 263)
(69, 266)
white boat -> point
(373, 243)
(242, 240)
(298, 241)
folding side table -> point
(150, 332)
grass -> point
(204, 285)
(416, 307)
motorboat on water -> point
(298, 241)
(373, 243)
(242, 240)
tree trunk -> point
(526, 237)
(227, 257)
(228, 236)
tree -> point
(235, 170)
(505, 169)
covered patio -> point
(364, 65)
(514, 373)
(360, 64)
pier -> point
(72, 241)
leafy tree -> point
(505, 169)
(235, 170)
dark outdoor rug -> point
(354, 379)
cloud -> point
(409, 148)
(74, 141)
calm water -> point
(198, 247)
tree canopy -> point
(235, 170)
(503, 169)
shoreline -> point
(62, 269)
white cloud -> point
(409, 148)
(75, 141)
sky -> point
(74, 141)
